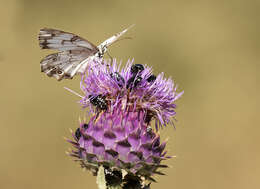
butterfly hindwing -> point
(62, 64)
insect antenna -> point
(120, 39)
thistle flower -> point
(134, 88)
(119, 136)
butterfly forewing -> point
(74, 50)
(62, 41)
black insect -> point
(137, 81)
(149, 132)
(119, 79)
(151, 78)
(149, 129)
(113, 177)
(148, 117)
(85, 126)
(156, 143)
(133, 82)
(132, 181)
(136, 68)
(130, 82)
(99, 101)
(78, 134)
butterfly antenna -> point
(114, 38)
(122, 39)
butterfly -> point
(74, 52)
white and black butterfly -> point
(74, 52)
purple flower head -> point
(119, 140)
(131, 89)
(122, 103)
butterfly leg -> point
(111, 59)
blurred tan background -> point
(210, 48)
